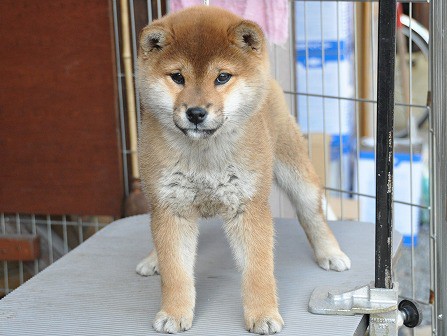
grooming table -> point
(94, 290)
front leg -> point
(175, 241)
(251, 238)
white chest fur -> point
(220, 190)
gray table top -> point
(94, 290)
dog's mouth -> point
(197, 133)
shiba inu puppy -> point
(215, 132)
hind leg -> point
(149, 265)
(296, 176)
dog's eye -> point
(178, 78)
(222, 78)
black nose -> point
(196, 115)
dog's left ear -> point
(248, 36)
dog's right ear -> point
(153, 38)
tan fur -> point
(223, 166)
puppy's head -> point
(202, 71)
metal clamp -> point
(380, 303)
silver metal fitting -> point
(380, 303)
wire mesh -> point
(57, 236)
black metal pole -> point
(385, 142)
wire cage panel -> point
(57, 236)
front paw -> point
(334, 260)
(264, 323)
(168, 323)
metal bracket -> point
(380, 303)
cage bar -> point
(438, 87)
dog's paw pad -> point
(337, 261)
(166, 323)
(266, 325)
(148, 266)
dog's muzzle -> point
(197, 122)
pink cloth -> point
(271, 15)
